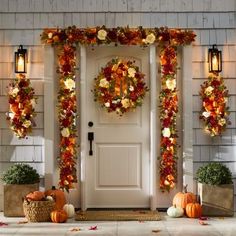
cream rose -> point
(50, 35)
(11, 115)
(70, 84)
(27, 123)
(102, 34)
(222, 122)
(14, 92)
(65, 132)
(104, 83)
(125, 102)
(131, 88)
(107, 104)
(33, 102)
(171, 84)
(131, 72)
(150, 38)
(206, 114)
(166, 132)
(209, 90)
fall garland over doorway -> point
(66, 41)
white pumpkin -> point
(69, 209)
(174, 211)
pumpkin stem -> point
(174, 206)
(53, 188)
(185, 189)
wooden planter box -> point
(216, 200)
(13, 198)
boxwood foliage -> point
(214, 174)
(20, 174)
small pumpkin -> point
(175, 211)
(58, 216)
(181, 199)
(35, 196)
(69, 209)
(194, 210)
(58, 195)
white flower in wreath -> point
(222, 122)
(70, 84)
(65, 132)
(107, 104)
(33, 102)
(150, 38)
(166, 132)
(102, 34)
(27, 123)
(171, 84)
(125, 102)
(209, 90)
(14, 92)
(131, 72)
(104, 83)
(206, 114)
(131, 88)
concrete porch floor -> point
(166, 227)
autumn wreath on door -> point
(120, 86)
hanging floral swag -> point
(120, 86)
(22, 106)
(214, 113)
(167, 39)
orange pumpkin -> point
(59, 197)
(193, 210)
(181, 199)
(35, 196)
(59, 216)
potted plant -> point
(216, 190)
(19, 180)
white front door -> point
(118, 172)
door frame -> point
(153, 128)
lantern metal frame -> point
(214, 59)
(21, 54)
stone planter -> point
(13, 198)
(216, 200)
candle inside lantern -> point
(215, 63)
(20, 64)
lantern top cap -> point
(21, 49)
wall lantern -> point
(20, 60)
(214, 59)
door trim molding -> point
(83, 127)
(153, 126)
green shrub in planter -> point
(20, 174)
(19, 179)
(214, 174)
(216, 190)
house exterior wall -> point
(22, 21)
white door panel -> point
(117, 175)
